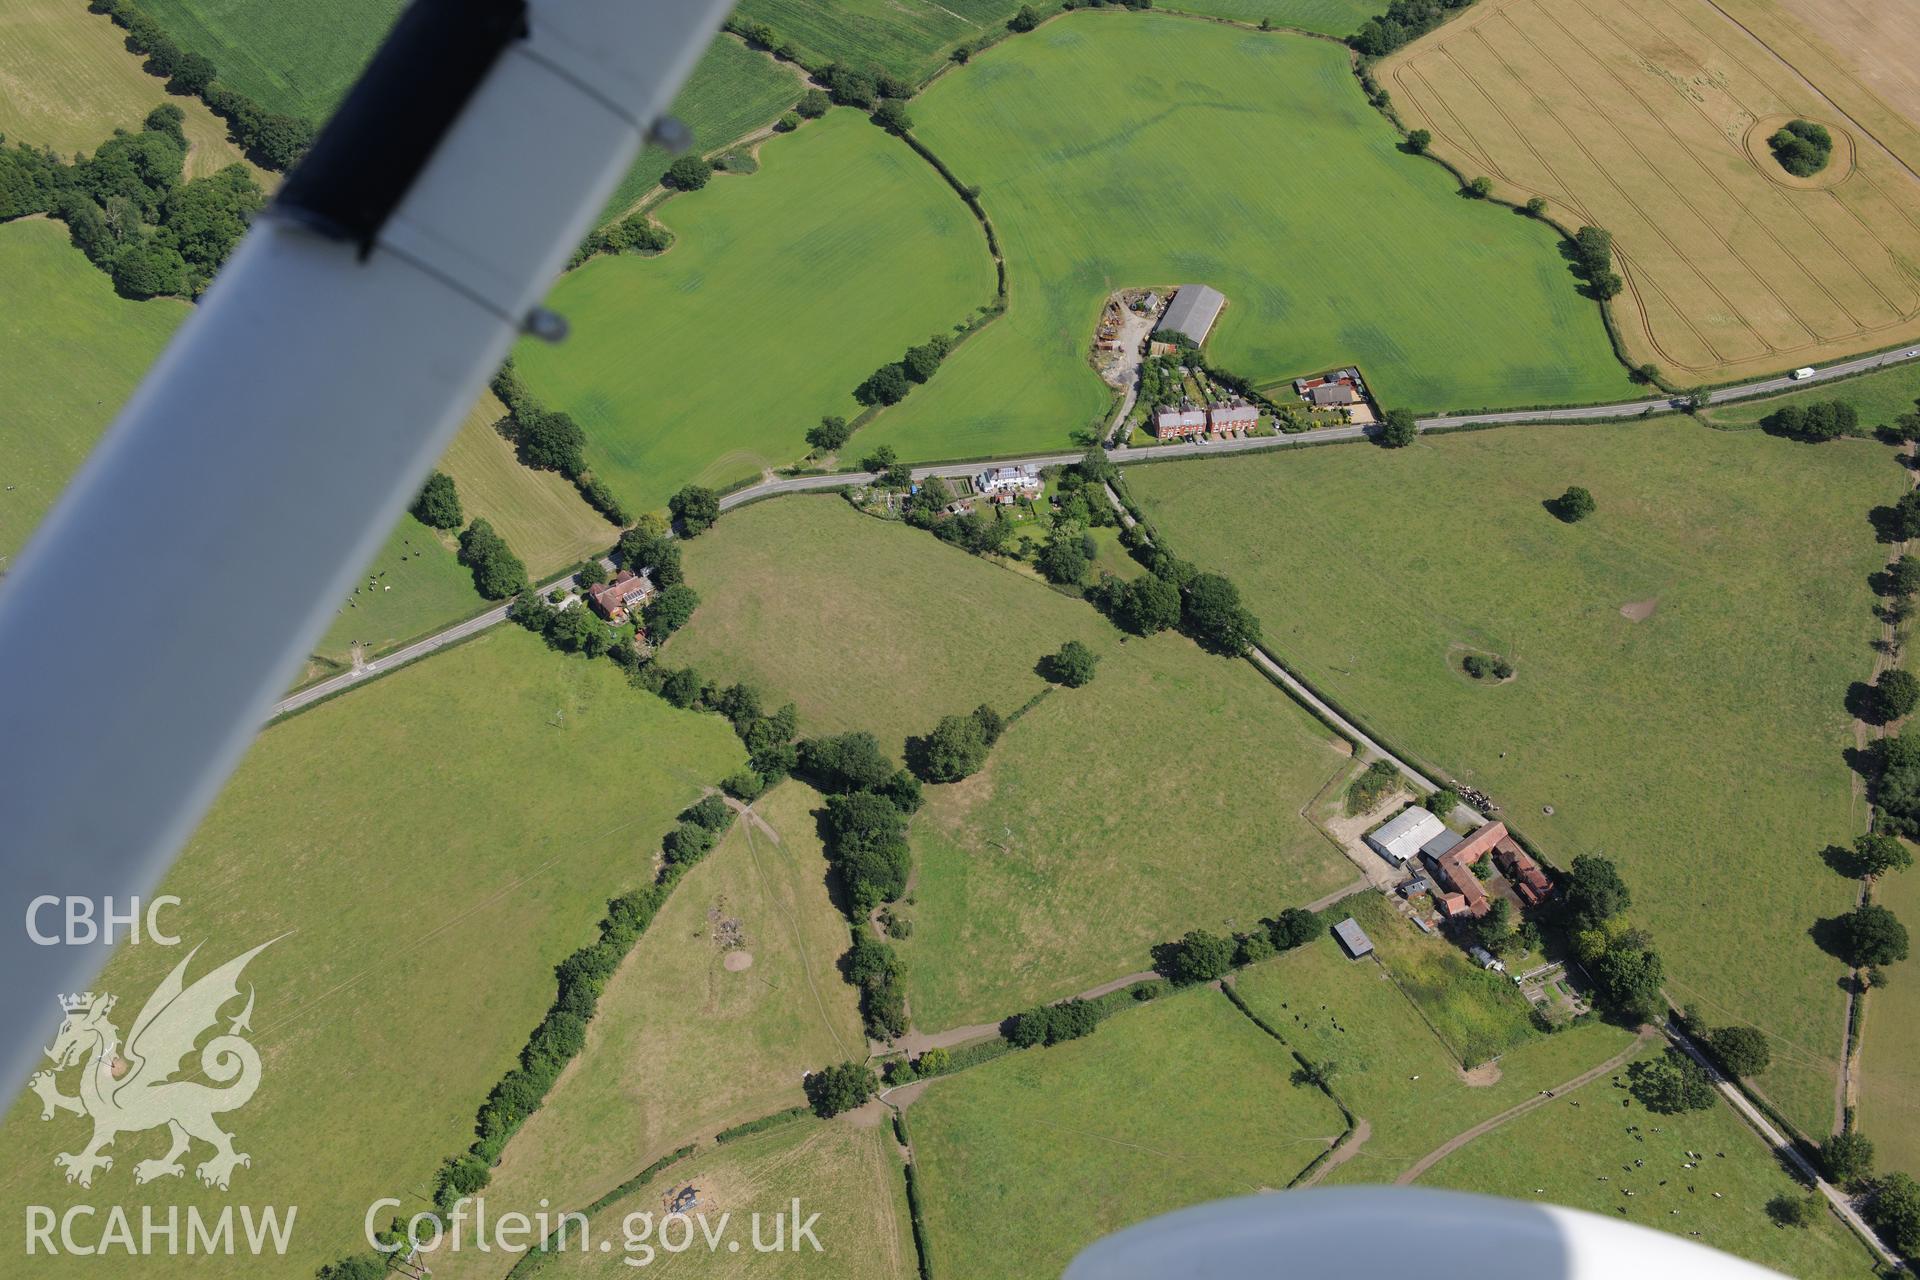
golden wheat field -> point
(1650, 118)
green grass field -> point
(287, 58)
(783, 291)
(1250, 162)
(540, 514)
(67, 81)
(1138, 788)
(910, 38)
(77, 350)
(1880, 397)
(733, 91)
(1478, 1015)
(436, 842)
(1390, 1068)
(866, 625)
(1328, 17)
(1559, 1153)
(1026, 1160)
(1889, 1105)
(1889, 1108)
(1701, 747)
(848, 1171)
(674, 1015)
(1096, 795)
(74, 350)
(413, 588)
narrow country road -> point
(400, 657)
(1453, 1144)
(1267, 663)
(1789, 1154)
(1257, 444)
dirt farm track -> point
(1647, 118)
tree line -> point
(582, 976)
(580, 980)
(1592, 251)
(127, 208)
(1203, 956)
(550, 440)
(869, 800)
(1813, 422)
(270, 139)
(636, 233)
(1206, 607)
(890, 383)
(1403, 22)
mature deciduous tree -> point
(439, 503)
(667, 612)
(1740, 1051)
(839, 1088)
(1871, 934)
(832, 432)
(1671, 1083)
(550, 441)
(1200, 956)
(1398, 428)
(1847, 1157)
(689, 172)
(1875, 854)
(1073, 665)
(497, 572)
(1212, 614)
(696, 509)
(1575, 505)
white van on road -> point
(1800, 375)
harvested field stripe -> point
(1653, 224)
(1594, 111)
(1795, 207)
(1838, 110)
(1635, 281)
(1858, 175)
(1726, 263)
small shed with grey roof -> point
(1353, 938)
(1441, 843)
(1192, 312)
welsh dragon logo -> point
(130, 1088)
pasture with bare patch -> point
(848, 1171)
(1701, 748)
(1649, 118)
(685, 1043)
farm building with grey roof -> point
(1192, 312)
